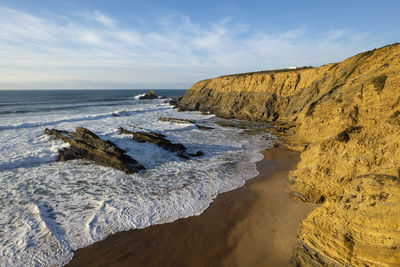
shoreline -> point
(254, 225)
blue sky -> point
(66, 44)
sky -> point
(102, 44)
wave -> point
(81, 118)
(10, 103)
(52, 209)
(58, 108)
(138, 96)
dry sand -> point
(255, 225)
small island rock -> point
(150, 95)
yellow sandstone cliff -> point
(345, 119)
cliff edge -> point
(345, 119)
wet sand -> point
(255, 225)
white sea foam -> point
(51, 208)
(138, 96)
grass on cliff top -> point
(267, 71)
(359, 56)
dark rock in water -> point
(175, 101)
(155, 138)
(161, 141)
(226, 124)
(149, 95)
(175, 120)
(234, 124)
(197, 154)
(202, 127)
(87, 145)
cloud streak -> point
(93, 50)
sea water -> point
(49, 208)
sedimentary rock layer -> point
(361, 228)
(345, 118)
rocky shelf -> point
(161, 141)
(185, 121)
(84, 144)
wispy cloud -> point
(103, 19)
(94, 50)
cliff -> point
(345, 119)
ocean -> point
(49, 208)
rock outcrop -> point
(202, 127)
(150, 95)
(175, 120)
(84, 144)
(161, 141)
(175, 101)
(345, 119)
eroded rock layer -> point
(361, 228)
(345, 118)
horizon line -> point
(76, 89)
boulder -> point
(84, 144)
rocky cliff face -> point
(345, 118)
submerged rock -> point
(225, 124)
(150, 95)
(161, 141)
(175, 120)
(233, 124)
(197, 154)
(183, 121)
(202, 127)
(87, 145)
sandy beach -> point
(255, 225)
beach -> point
(254, 225)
